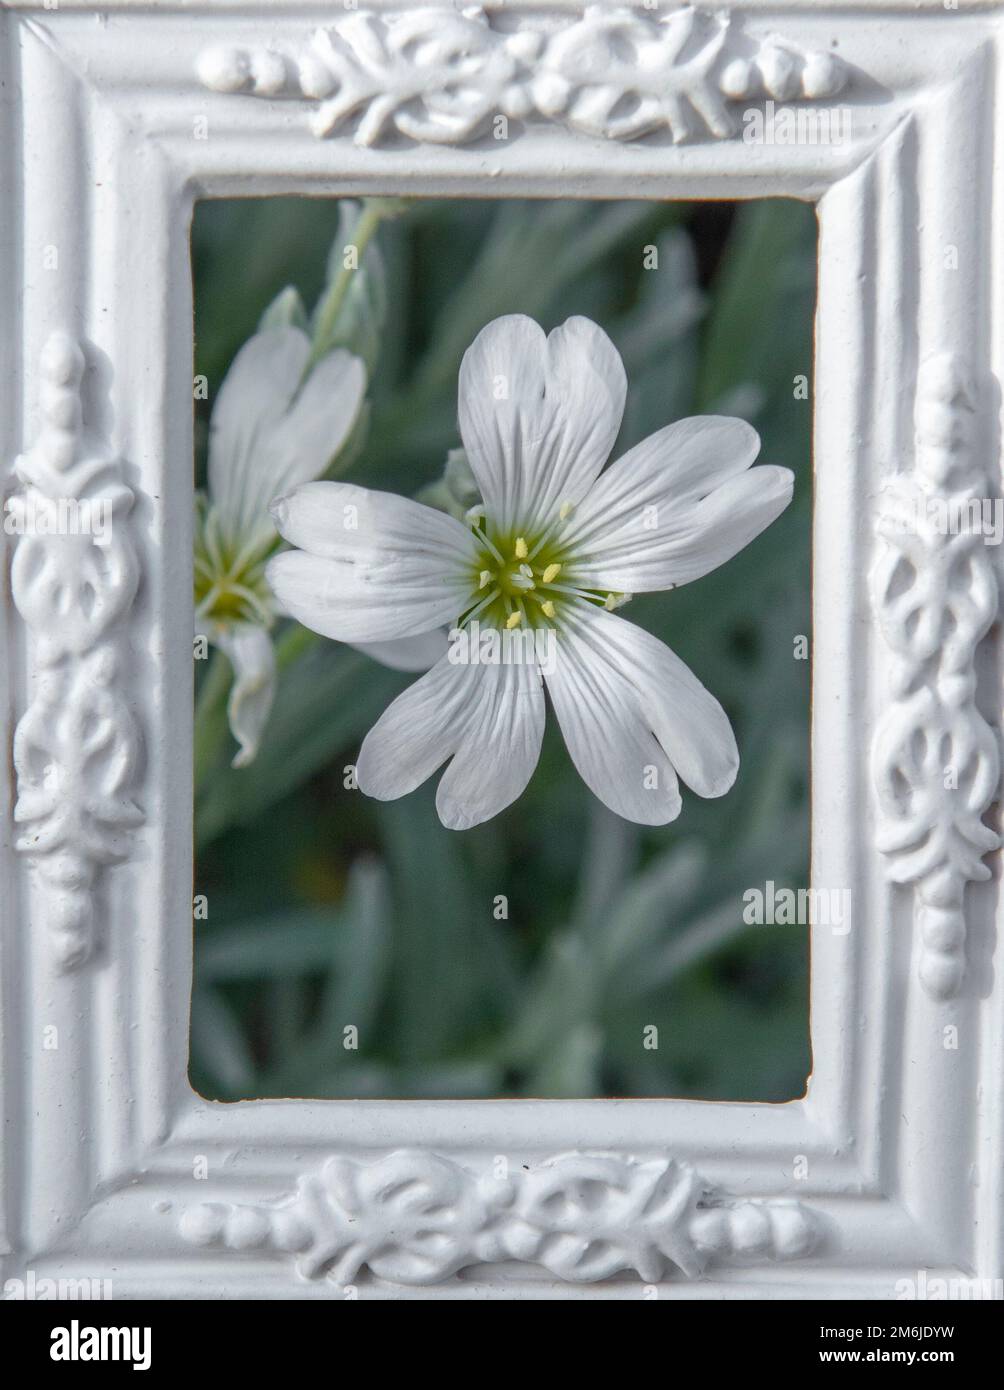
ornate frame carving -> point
(891, 1162)
(436, 75)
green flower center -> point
(524, 580)
(230, 585)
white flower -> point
(270, 429)
(557, 544)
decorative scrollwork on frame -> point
(935, 592)
(415, 1217)
(437, 75)
(74, 576)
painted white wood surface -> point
(900, 1137)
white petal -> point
(377, 602)
(538, 416)
(375, 567)
(686, 718)
(488, 719)
(417, 653)
(267, 435)
(499, 749)
(676, 506)
(250, 652)
(342, 521)
(633, 717)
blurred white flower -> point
(271, 428)
(555, 546)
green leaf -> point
(572, 1067)
(452, 973)
(280, 945)
(658, 340)
(648, 902)
(219, 1047)
(362, 957)
(768, 265)
(556, 1002)
(325, 702)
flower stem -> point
(210, 717)
(331, 305)
(293, 643)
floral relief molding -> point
(415, 1217)
(936, 761)
(77, 747)
(438, 75)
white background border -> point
(903, 1137)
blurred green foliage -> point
(328, 910)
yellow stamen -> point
(486, 579)
(610, 602)
(522, 550)
(564, 510)
(548, 608)
(513, 620)
(551, 573)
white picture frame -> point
(888, 1174)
